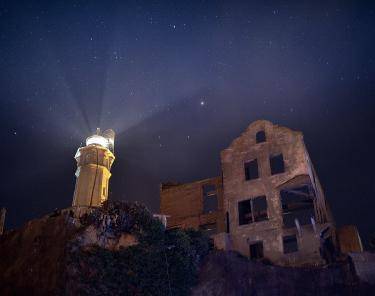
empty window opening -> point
(260, 137)
(290, 244)
(277, 164)
(227, 218)
(260, 209)
(208, 229)
(256, 251)
(252, 210)
(244, 212)
(328, 250)
(251, 170)
(297, 203)
(209, 199)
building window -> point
(277, 164)
(290, 244)
(260, 209)
(297, 203)
(244, 212)
(259, 213)
(209, 199)
(104, 193)
(87, 158)
(260, 137)
(251, 170)
(256, 251)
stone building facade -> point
(268, 202)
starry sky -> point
(178, 81)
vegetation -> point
(163, 263)
(55, 213)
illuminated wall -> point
(93, 172)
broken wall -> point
(256, 167)
(198, 204)
(349, 239)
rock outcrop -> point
(32, 257)
(33, 261)
(227, 274)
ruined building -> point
(94, 162)
(267, 203)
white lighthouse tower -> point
(94, 163)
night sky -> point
(178, 81)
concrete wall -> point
(297, 171)
(185, 204)
(349, 239)
(364, 264)
(221, 241)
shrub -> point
(55, 213)
(163, 263)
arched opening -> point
(261, 137)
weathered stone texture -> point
(32, 257)
(226, 274)
(349, 239)
(185, 204)
(364, 265)
(258, 167)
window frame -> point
(289, 239)
(248, 169)
(261, 138)
(253, 215)
(210, 199)
(275, 162)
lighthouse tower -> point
(94, 163)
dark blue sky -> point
(177, 82)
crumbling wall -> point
(349, 239)
(186, 204)
(270, 201)
(278, 163)
(364, 266)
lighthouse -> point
(94, 162)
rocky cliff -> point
(33, 256)
(33, 261)
(225, 273)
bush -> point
(163, 263)
(55, 213)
